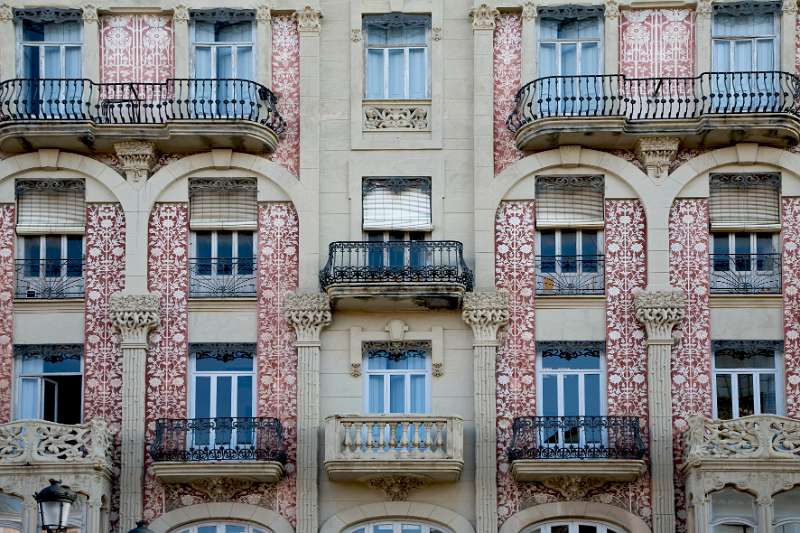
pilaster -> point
(788, 34)
(264, 40)
(611, 38)
(134, 315)
(91, 44)
(307, 313)
(7, 46)
(530, 37)
(660, 312)
(702, 37)
(180, 19)
(486, 313)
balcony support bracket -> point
(397, 488)
(137, 159)
(657, 154)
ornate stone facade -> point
(7, 289)
(396, 116)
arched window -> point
(10, 513)
(574, 526)
(399, 526)
(221, 527)
(786, 516)
(733, 511)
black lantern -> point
(141, 527)
(54, 503)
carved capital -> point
(704, 9)
(659, 312)
(180, 14)
(486, 313)
(483, 17)
(308, 313)
(657, 154)
(264, 14)
(89, 13)
(137, 158)
(6, 13)
(611, 10)
(308, 19)
(397, 488)
(134, 315)
(529, 11)
(573, 487)
(789, 7)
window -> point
(569, 526)
(745, 263)
(223, 377)
(10, 513)
(745, 202)
(398, 527)
(733, 511)
(398, 60)
(396, 204)
(397, 378)
(49, 382)
(50, 206)
(222, 527)
(745, 41)
(747, 378)
(786, 511)
(570, 262)
(571, 378)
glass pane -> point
(548, 240)
(786, 506)
(244, 253)
(588, 359)
(212, 364)
(53, 256)
(50, 400)
(73, 56)
(222, 434)
(589, 28)
(375, 81)
(70, 364)
(411, 528)
(590, 63)
(417, 73)
(569, 249)
(721, 60)
(397, 73)
(569, 60)
(52, 64)
(29, 399)
(765, 54)
(375, 34)
(724, 397)
(767, 394)
(571, 395)
(589, 251)
(591, 395)
(31, 251)
(383, 528)
(244, 396)
(207, 529)
(742, 243)
(585, 528)
(74, 255)
(731, 503)
(375, 392)
(549, 395)
(244, 63)
(233, 528)
(568, 29)
(202, 397)
(547, 59)
(32, 31)
(224, 253)
(418, 394)
(746, 395)
(764, 263)
(397, 394)
(203, 246)
(743, 56)
(224, 62)
(560, 528)
(202, 62)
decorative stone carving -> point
(483, 17)
(308, 313)
(704, 8)
(657, 154)
(89, 13)
(180, 14)
(135, 315)
(485, 312)
(34, 442)
(611, 9)
(6, 13)
(264, 14)
(396, 329)
(573, 487)
(137, 158)
(355, 35)
(436, 33)
(789, 7)
(395, 116)
(659, 312)
(529, 11)
(221, 489)
(355, 369)
(397, 488)
(308, 19)
(752, 437)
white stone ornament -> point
(483, 17)
(657, 154)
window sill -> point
(733, 301)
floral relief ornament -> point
(483, 17)
(486, 312)
(6, 13)
(89, 13)
(308, 19)
(180, 14)
(264, 13)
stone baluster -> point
(135, 315)
(486, 313)
(308, 313)
(660, 312)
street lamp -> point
(141, 527)
(54, 503)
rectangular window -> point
(50, 266)
(569, 201)
(570, 262)
(49, 382)
(397, 56)
(223, 264)
(747, 378)
(745, 201)
(50, 206)
(222, 49)
(396, 204)
(397, 377)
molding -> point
(207, 475)
(397, 488)
(137, 158)
(397, 331)
(659, 312)
(424, 511)
(486, 313)
(255, 514)
(134, 315)
(37, 307)
(308, 313)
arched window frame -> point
(194, 528)
(732, 521)
(573, 526)
(793, 519)
(397, 526)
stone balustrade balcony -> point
(364, 447)
(47, 444)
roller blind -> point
(569, 201)
(745, 201)
(50, 206)
(224, 203)
(397, 204)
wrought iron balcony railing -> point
(49, 278)
(139, 103)
(642, 99)
(576, 437)
(570, 275)
(222, 277)
(745, 273)
(218, 439)
(375, 263)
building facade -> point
(401, 266)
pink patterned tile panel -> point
(7, 277)
(656, 42)
(507, 62)
(286, 86)
(278, 275)
(168, 356)
(790, 260)
(515, 254)
(797, 46)
(136, 48)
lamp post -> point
(54, 504)
(141, 527)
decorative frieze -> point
(396, 116)
(397, 488)
(308, 19)
(657, 155)
(137, 158)
(573, 487)
(483, 17)
(308, 313)
(134, 315)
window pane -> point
(721, 62)
(212, 364)
(556, 359)
(376, 394)
(224, 62)
(73, 56)
(31, 250)
(245, 253)
(417, 394)
(202, 397)
(32, 31)
(560, 528)
(375, 80)
(569, 59)
(743, 56)
(724, 397)
(742, 251)
(417, 73)
(765, 54)
(571, 405)
(52, 65)
(548, 240)
(244, 396)
(203, 247)
(50, 400)
(224, 252)
(585, 528)
(589, 28)
(764, 248)
(411, 528)
(53, 256)
(767, 394)
(590, 64)
(397, 394)
(223, 396)
(232, 528)
(746, 395)
(202, 62)
(549, 395)
(29, 399)
(569, 249)
(591, 395)
(731, 503)
(589, 251)
(383, 528)
(68, 364)
(74, 255)
(547, 61)
(244, 64)
(397, 73)
(734, 359)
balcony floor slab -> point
(174, 472)
(365, 469)
(600, 469)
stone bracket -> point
(657, 154)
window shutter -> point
(397, 204)
(223, 204)
(745, 201)
(50, 206)
(569, 201)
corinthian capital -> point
(659, 312)
(308, 19)
(134, 315)
(308, 313)
(486, 313)
(483, 17)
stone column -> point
(764, 513)
(180, 18)
(7, 46)
(702, 37)
(134, 315)
(264, 42)
(660, 312)
(91, 44)
(611, 38)
(485, 312)
(307, 313)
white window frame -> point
(42, 246)
(220, 527)
(397, 526)
(753, 39)
(19, 377)
(42, 45)
(578, 47)
(573, 525)
(214, 374)
(406, 68)
(406, 387)
(214, 46)
(234, 244)
(777, 372)
(578, 245)
(730, 520)
(753, 251)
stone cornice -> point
(486, 313)
(134, 315)
(659, 312)
(308, 313)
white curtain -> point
(376, 394)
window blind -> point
(50, 206)
(397, 204)
(223, 204)
(745, 201)
(569, 201)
